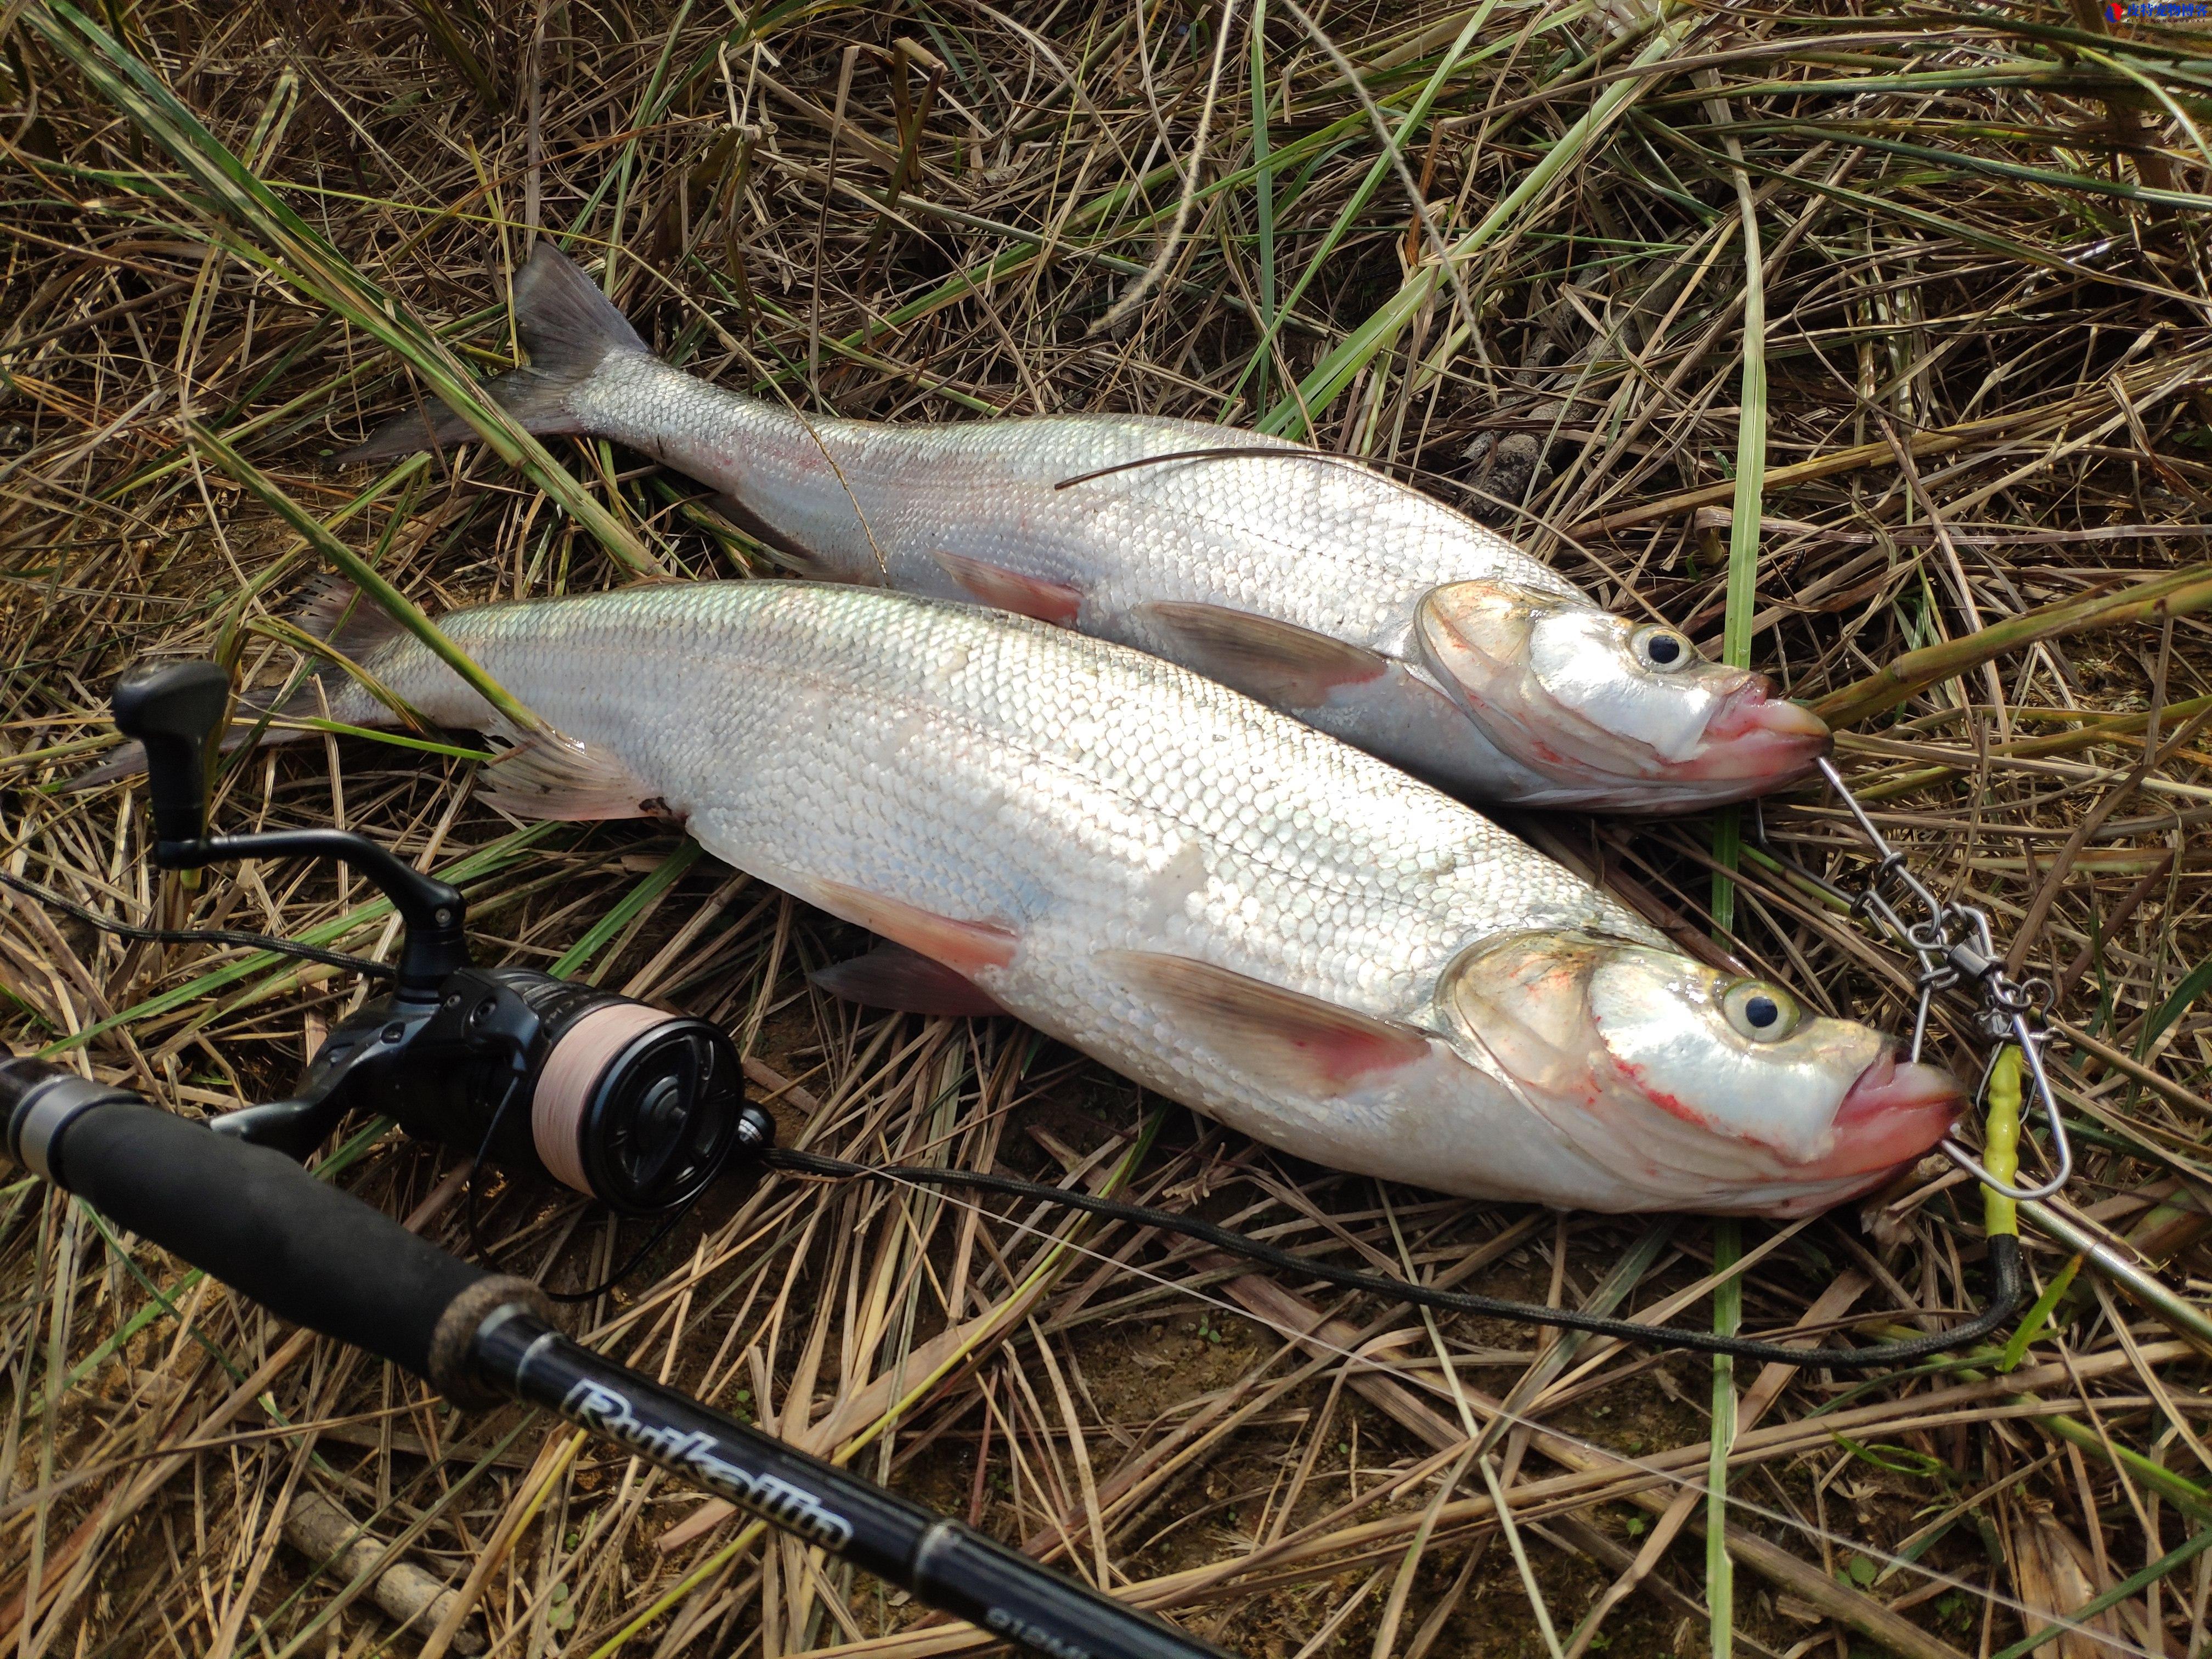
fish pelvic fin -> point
(331, 611)
(905, 981)
(569, 328)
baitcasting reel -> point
(638, 1107)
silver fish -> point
(1313, 583)
(1237, 911)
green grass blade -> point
(2178, 1557)
(366, 576)
(1728, 1320)
(1336, 372)
(1743, 520)
(2193, 986)
(663, 877)
(1278, 419)
(1263, 197)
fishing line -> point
(1799, 1358)
(2007, 1293)
(282, 947)
(477, 1252)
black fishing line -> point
(2008, 1291)
(282, 947)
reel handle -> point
(175, 710)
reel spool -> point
(634, 1106)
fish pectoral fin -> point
(1278, 662)
(553, 776)
(1009, 590)
(906, 982)
(1297, 1043)
(965, 947)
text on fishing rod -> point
(607, 1411)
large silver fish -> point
(1237, 911)
(1312, 583)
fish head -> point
(1625, 713)
(1717, 1090)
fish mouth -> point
(1894, 1111)
(1758, 736)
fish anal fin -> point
(1009, 590)
(1296, 1041)
(966, 947)
(1278, 662)
(802, 559)
(906, 982)
(557, 777)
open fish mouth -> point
(1756, 732)
(1599, 703)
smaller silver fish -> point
(1311, 582)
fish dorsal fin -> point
(557, 777)
(1009, 590)
(906, 982)
(1278, 662)
(1297, 1042)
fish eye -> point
(1662, 649)
(1761, 1012)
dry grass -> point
(1983, 355)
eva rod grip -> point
(251, 1218)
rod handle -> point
(307, 1251)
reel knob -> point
(175, 710)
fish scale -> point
(1087, 813)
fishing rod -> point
(318, 1256)
(639, 1108)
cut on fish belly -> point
(1245, 915)
(1312, 582)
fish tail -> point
(335, 612)
(569, 328)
